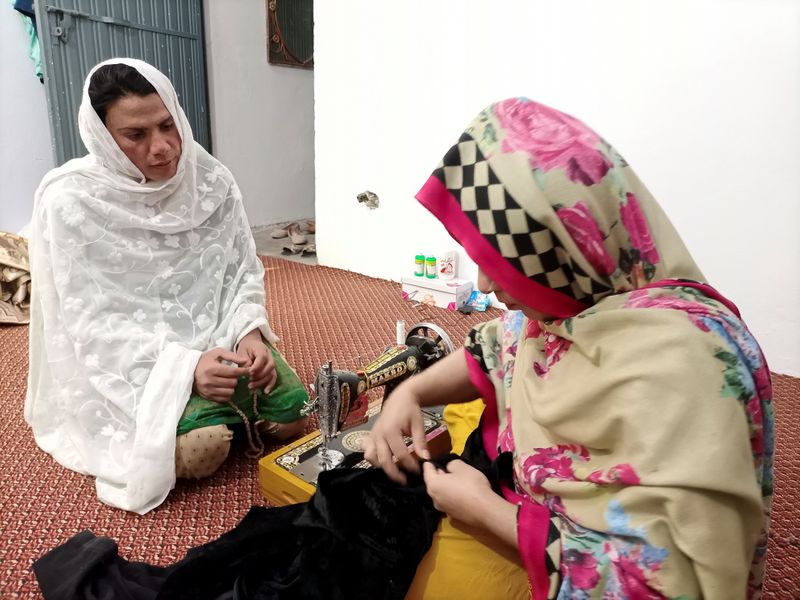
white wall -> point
(701, 96)
(262, 115)
(25, 150)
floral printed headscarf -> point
(640, 418)
(552, 212)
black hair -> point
(109, 83)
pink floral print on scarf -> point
(553, 139)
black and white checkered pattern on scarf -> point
(527, 244)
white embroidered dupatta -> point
(132, 281)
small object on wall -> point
(430, 267)
(448, 265)
(419, 265)
(369, 199)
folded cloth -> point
(15, 279)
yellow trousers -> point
(464, 564)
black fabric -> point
(499, 471)
(88, 567)
(360, 536)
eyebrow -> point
(136, 129)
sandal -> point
(311, 226)
(297, 237)
(310, 250)
(279, 233)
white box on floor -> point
(445, 293)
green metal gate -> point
(75, 35)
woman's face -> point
(145, 131)
(487, 286)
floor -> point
(266, 245)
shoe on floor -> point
(279, 233)
(297, 237)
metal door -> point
(75, 35)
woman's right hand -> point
(215, 380)
(385, 447)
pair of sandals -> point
(294, 233)
(305, 250)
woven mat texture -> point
(320, 314)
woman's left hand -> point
(462, 491)
(260, 363)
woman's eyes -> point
(138, 135)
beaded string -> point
(254, 440)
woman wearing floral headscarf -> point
(630, 398)
(147, 316)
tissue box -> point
(445, 293)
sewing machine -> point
(340, 401)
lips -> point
(161, 165)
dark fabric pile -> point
(360, 536)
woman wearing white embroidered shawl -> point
(148, 317)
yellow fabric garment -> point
(459, 565)
(462, 419)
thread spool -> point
(430, 267)
(419, 265)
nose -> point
(485, 284)
(159, 145)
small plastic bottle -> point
(430, 267)
(419, 265)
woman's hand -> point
(461, 491)
(465, 494)
(385, 447)
(259, 362)
(214, 379)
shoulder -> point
(215, 175)
(62, 190)
(210, 167)
(672, 327)
(486, 332)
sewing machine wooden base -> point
(289, 475)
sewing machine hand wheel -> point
(435, 333)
